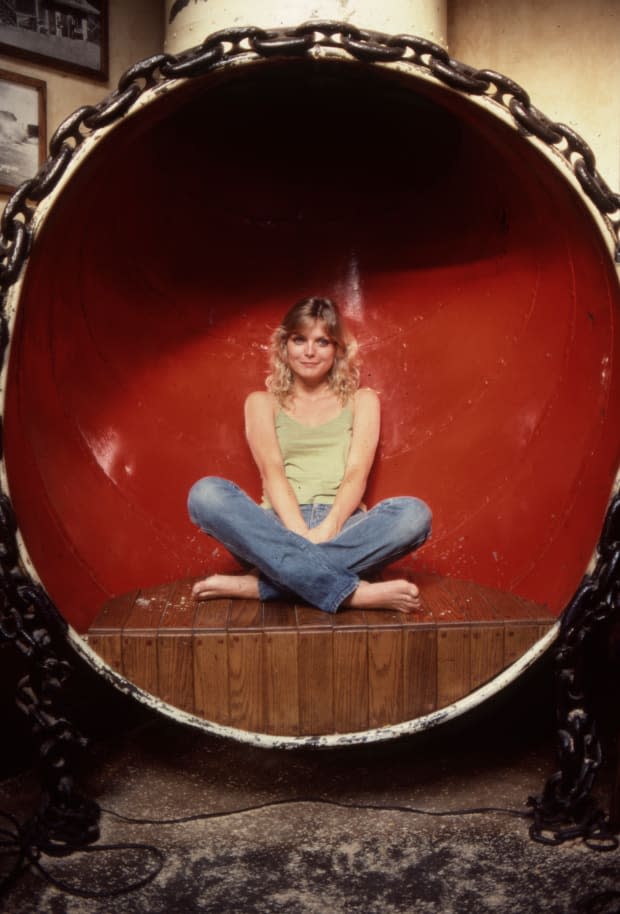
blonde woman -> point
(313, 436)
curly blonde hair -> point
(343, 377)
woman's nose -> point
(309, 347)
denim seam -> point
(335, 605)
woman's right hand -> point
(323, 532)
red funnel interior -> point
(476, 280)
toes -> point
(200, 590)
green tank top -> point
(314, 457)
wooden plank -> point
(487, 653)
(437, 604)
(474, 603)
(385, 675)
(105, 634)
(316, 670)
(211, 616)
(453, 644)
(420, 671)
(140, 637)
(350, 651)
(278, 616)
(245, 665)
(316, 680)
(530, 622)
(245, 615)
(545, 627)
(420, 648)
(210, 652)
(280, 669)
(296, 670)
(281, 678)
(175, 664)
(520, 636)
(453, 663)
(511, 607)
(309, 617)
(388, 618)
(486, 643)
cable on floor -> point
(18, 840)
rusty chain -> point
(65, 819)
(565, 809)
(301, 41)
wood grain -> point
(293, 670)
(210, 650)
(245, 665)
(175, 662)
(350, 651)
(106, 633)
(140, 637)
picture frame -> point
(23, 128)
(69, 35)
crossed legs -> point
(326, 575)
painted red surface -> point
(481, 292)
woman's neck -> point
(310, 392)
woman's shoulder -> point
(261, 401)
(365, 398)
(365, 407)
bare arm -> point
(366, 426)
(261, 437)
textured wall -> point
(565, 53)
(192, 21)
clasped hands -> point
(326, 530)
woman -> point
(313, 435)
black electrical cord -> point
(19, 841)
(375, 807)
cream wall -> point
(136, 30)
(196, 20)
(565, 54)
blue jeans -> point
(322, 574)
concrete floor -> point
(284, 845)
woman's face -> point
(311, 352)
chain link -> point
(227, 44)
(66, 820)
(565, 809)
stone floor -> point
(332, 831)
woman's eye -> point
(324, 342)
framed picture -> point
(22, 129)
(70, 35)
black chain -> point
(66, 819)
(565, 809)
(252, 42)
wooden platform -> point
(294, 670)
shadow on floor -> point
(310, 831)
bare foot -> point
(217, 586)
(399, 595)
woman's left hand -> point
(323, 532)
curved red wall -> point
(481, 292)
